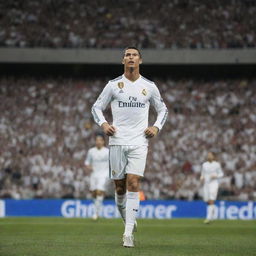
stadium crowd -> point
(46, 129)
(148, 24)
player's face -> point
(210, 156)
(99, 142)
(132, 58)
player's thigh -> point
(93, 183)
(117, 162)
(206, 192)
(136, 160)
(213, 191)
(101, 184)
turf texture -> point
(84, 237)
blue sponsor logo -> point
(132, 103)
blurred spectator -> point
(46, 129)
(161, 24)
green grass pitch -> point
(84, 237)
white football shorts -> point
(127, 160)
(98, 183)
(210, 191)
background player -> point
(130, 96)
(97, 160)
(211, 172)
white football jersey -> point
(99, 160)
(209, 169)
(130, 103)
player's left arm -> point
(219, 173)
(162, 113)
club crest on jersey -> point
(120, 85)
(113, 173)
(144, 92)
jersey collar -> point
(129, 81)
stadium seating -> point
(46, 129)
(148, 24)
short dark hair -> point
(134, 48)
(215, 153)
(100, 134)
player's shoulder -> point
(89, 152)
(147, 80)
(205, 163)
(217, 163)
(115, 82)
(119, 78)
(148, 83)
(92, 149)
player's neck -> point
(132, 74)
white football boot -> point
(95, 216)
(206, 221)
(128, 241)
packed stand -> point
(115, 24)
(46, 129)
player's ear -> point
(123, 61)
(140, 61)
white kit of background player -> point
(97, 160)
(130, 100)
(210, 175)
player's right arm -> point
(99, 106)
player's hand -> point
(108, 129)
(89, 167)
(151, 132)
(213, 177)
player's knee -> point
(120, 190)
(133, 185)
(99, 192)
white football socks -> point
(210, 212)
(121, 204)
(98, 201)
(132, 208)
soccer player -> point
(97, 160)
(130, 96)
(211, 173)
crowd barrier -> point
(159, 209)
